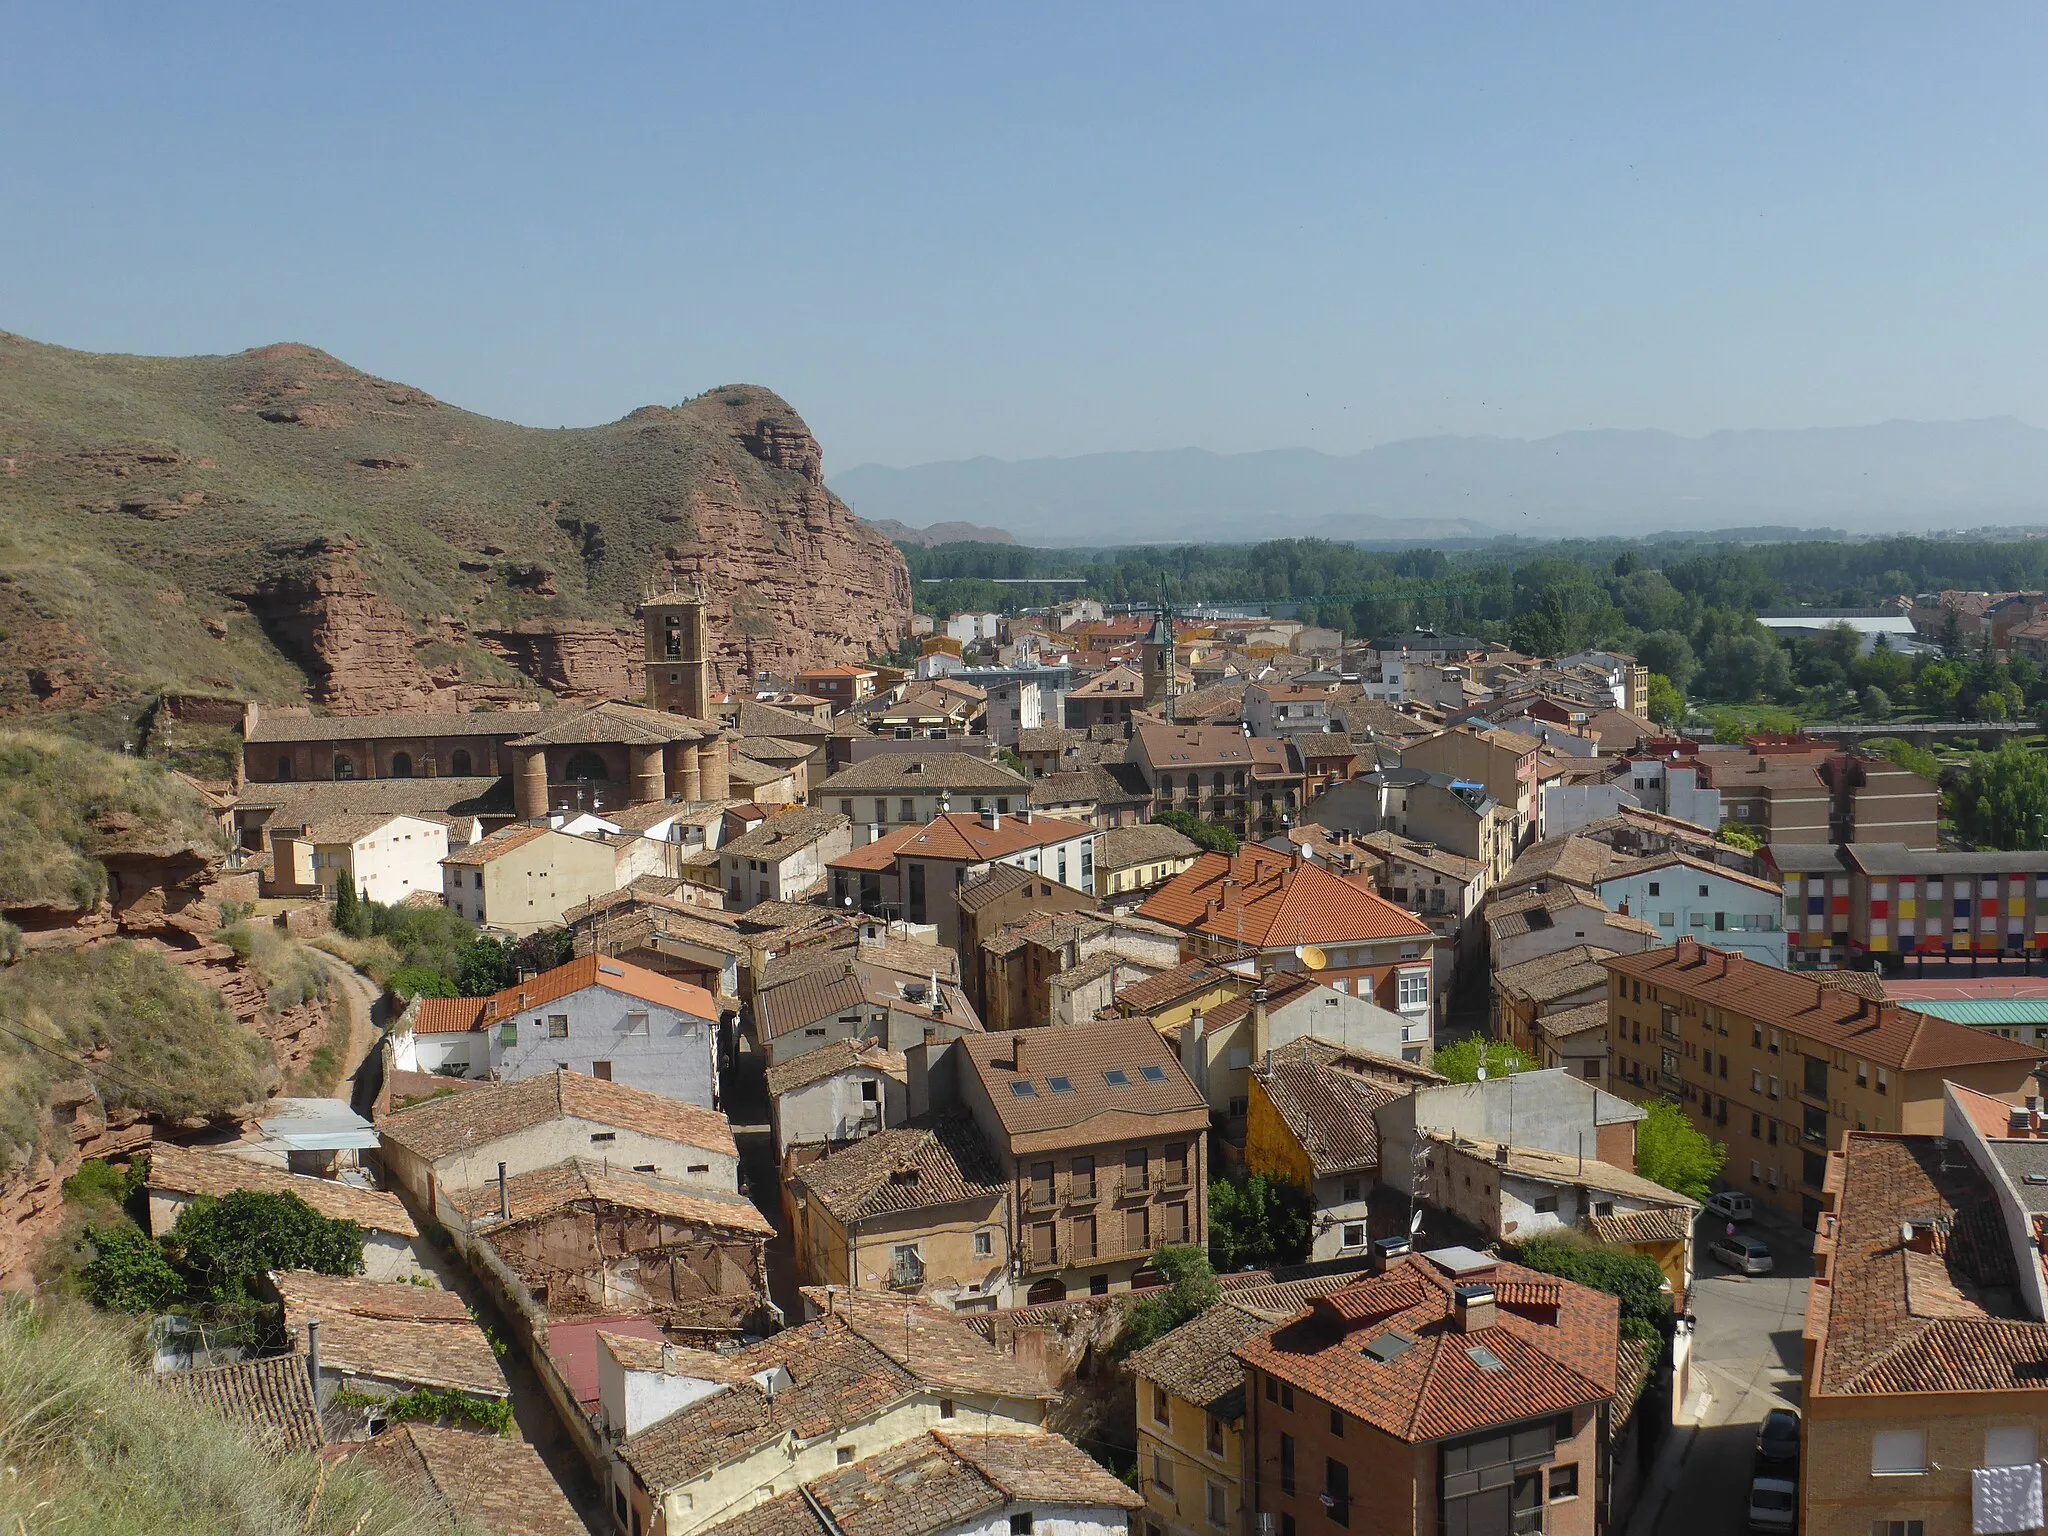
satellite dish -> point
(1312, 956)
(1415, 1222)
(1482, 1074)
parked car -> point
(1730, 1205)
(1773, 1504)
(1742, 1253)
(1777, 1439)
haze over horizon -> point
(943, 236)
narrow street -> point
(1746, 1359)
(367, 1009)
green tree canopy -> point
(1632, 1278)
(1461, 1061)
(1206, 835)
(224, 1244)
(2002, 799)
(128, 1271)
(1191, 1289)
(1254, 1220)
(1672, 1152)
(1667, 704)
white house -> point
(1218, 1048)
(974, 628)
(459, 1141)
(850, 1089)
(386, 858)
(783, 858)
(1671, 787)
(1680, 895)
(605, 1017)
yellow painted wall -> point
(1183, 1442)
(1270, 1147)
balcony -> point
(906, 1273)
(1672, 1083)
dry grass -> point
(91, 1446)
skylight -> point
(1024, 1090)
(1484, 1358)
(1060, 1084)
(1153, 1074)
(1117, 1077)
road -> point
(367, 1007)
(1745, 1362)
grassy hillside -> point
(64, 804)
(143, 501)
(90, 1445)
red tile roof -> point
(1882, 1032)
(453, 1015)
(1548, 1351)
(1273, 900)
(963, 836)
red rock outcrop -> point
(573, 659)
(75, 1127)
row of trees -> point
(433, 952)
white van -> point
(1730, 1205)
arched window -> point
(401, 765)
(1219, 783)
(586, 767)
(284, 770)
(344, 766)
(458, 763)
(1166, 785)
(1043, 1292)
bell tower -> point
(678, 653)
(1156, 661)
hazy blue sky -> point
(1043, 229)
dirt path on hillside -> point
(367, 1010)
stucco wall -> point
(676, 1057)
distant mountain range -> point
(939, 533)
(1893, 476)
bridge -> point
(1921, 733)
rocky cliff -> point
(280, 526)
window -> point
(947, 1408)
(1564, 1483)
(1137, 1177)
(1287, 1463)
(1138, 1229)
(1175, 1170)
(558, 1026)
(1756, 1082)
(1897, 1528)
(1337, 1423)
(1272, 1390)
(508, 1033)
(843, 1456)
(603, 1138)
(2012, 1446)
(870, 1091)
(1337, 1490)
(984, 1244)
(1162, 1406)
(1286, 1397)
(1656, 889)
(1354, 1234)
(1216, 1506)
(1020, 1525)
(1898, 1453)
(1212, 1434)
(1162, 1471)
(1414, 989)
(1546, 1205)
(1884, 1081)
(1041, 1184)
(637, 1026)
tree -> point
(543, 950)
(411, 981)
(128, 1271)
(486, 965)
(1013, 762)
(1672, 1152)
(224, 1244)
(2002, 799)
(1736, 835)
(1667, 704)
(1191, 1290)
(1632, 1278)
(1206, 835)
(1461, 1062)
(1877, 704)
(1254, 1220)
(1668, 652)
(351, 914)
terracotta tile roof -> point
(456, 1014)
(1550, 978)
(1276, 901)
(1191, 978)
(612, 722)
(836, 1378)
(1572, 860)
(782, 835)
(1666, 860)
(1892, 1320)
(1535, 1359)
(933, 1344)
(911, 773)
(459, 1479)
(196, 1171)
(1093, 784)
(965, 838)
(270, 1399)
(1154, 1097)
(1568, 1168)
(1568, 1022)
(465, 1121)
(1329, 1111)
(500, 843)
(937, 1482)
(293, 725)
(998, 881)
(914, 1167)
(577, 1181)
(1195, 1363)
(572, 1344)
(1279, 1297)
(830, 1060)
(1408, 851)
(819, 992)
(421, 1347)
(1666, 1224)
(1880, 1032)
(1180, 748)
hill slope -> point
(1891, 476)
(277, 524)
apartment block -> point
(1781, 1066)
(1864, 903)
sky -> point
(1023, 230)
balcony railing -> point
(906, 1275)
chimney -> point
(1477, 1308)
(313, 1355)
(1024, 814)
(1623, 909)
(1017, 1053)
(2018, 1120)
(668, 1358)
(991, 818)
(504, 1196)
(1262, 1049)
(1387, 1249)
